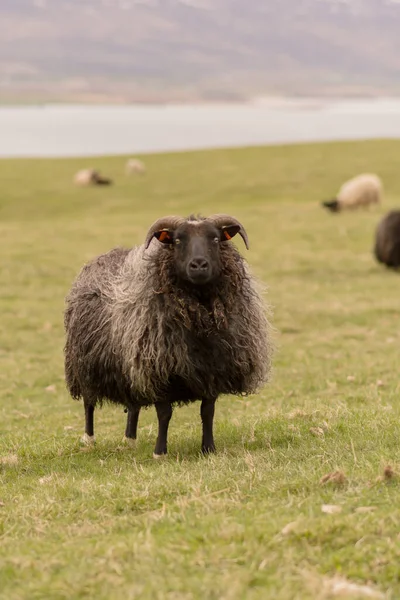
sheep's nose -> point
(198, 265)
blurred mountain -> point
(160, 50)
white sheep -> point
(134, 165)
(361, 191)
(87, 177)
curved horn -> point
(226, 221)
(171, 222)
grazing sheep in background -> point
(135, 165)
(172, 321)
(387, 240)
(90, 177)
(361, 191)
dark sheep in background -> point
(172, 321)
(387, 240)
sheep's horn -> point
(221, 221)
(171, 222)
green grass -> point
(110, 522)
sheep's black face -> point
(196, 252)
(332, 205)
(196, 248)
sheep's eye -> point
(177, 241)
(216, 240)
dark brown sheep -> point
(175, 320)
(387, 240)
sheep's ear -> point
(164, 236)
(229, 231)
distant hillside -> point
(197, 49)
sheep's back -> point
(90, 367)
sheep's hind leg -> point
(131, 426)
(88, 437)
(164, 413)
(207, 417)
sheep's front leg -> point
(132, 425)
(164, 413)
(207, 417)
(88, 437)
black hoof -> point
(208, 449)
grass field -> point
(112, 523)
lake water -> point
(82, 130)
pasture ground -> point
(110, 522)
